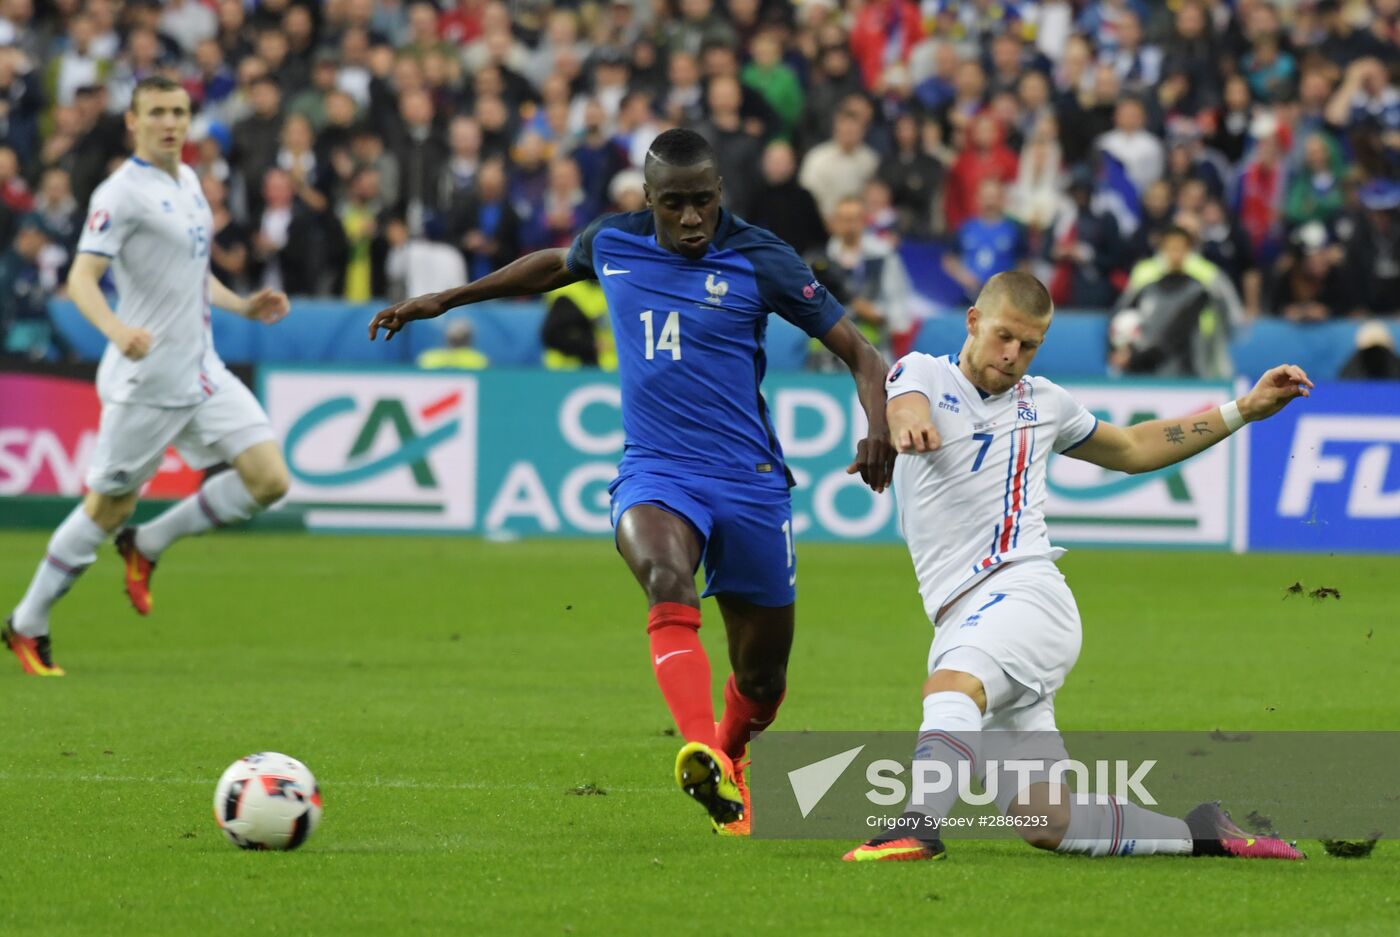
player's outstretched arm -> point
(874, 454)
(539, 272)
(1146, 447)
(267, 306)
(84, 288)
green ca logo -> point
(1120, 485)
(387, 412)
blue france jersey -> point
(689, 337)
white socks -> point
(951, 733)
(72, 549)
(223, 500)
(1103, 825)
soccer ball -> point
(267, 801)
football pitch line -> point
(393, 783)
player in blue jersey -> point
(689, 289)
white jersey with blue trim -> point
(978, 501)
(156, 231)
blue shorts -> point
(745, 530)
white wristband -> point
(1230, 413)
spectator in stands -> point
(189, 23)
(78, 65)
(1373, 251)
(1035, 196)
(833, 81)
(292, 242)
(737, 150)
(313, 182)
(485, 224)
(359, 220)
(1315, 194)
(457, 354)
(1309, 283)
(1157, 216)
(969, 98)
(577, 332)
(785, 207)
(1085, 108)
(767, 74)
(1085, 248)
(100, 137)
(58, 214)
(1375, 358)
(421, 155)
(312, 101)
(988, 243)
(1231, 128)
(598, 156)
(564, 209)
(14, 190)
(229, 248)
(141, 58)
(463, 159)
(685, 98)
(1132, 144)
(884, 30)
(984, 157)
(913, 177)
(876, 284)
(1224, 243)
(1176, 315)
(256, 137)
(841, 166)
(699, 23)
(1137, 63)
(935, 90)
(21, 100)
(1270, 71)
(24, 295)
(627, 191)
(1260, 191)
(1192, 52)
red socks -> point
(743, 717)
(682, 669)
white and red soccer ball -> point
(267, 801)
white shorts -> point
(1024, 618)
(133, 437)
(1019, 633)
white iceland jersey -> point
(978, 501)
(156, 230)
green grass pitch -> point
(448, 693)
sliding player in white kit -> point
(160, 380)
(974, 435)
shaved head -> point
(1019, 291)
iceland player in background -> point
(160, 380)
(689, 289)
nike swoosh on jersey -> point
(613, 271)
(662, 658)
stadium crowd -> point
(1249, 149)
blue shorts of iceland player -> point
(690, 338)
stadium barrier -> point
(508, 332)
(525, 453)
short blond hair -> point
(1020, 291)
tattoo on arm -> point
(1174, 435)
(1202, 428)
